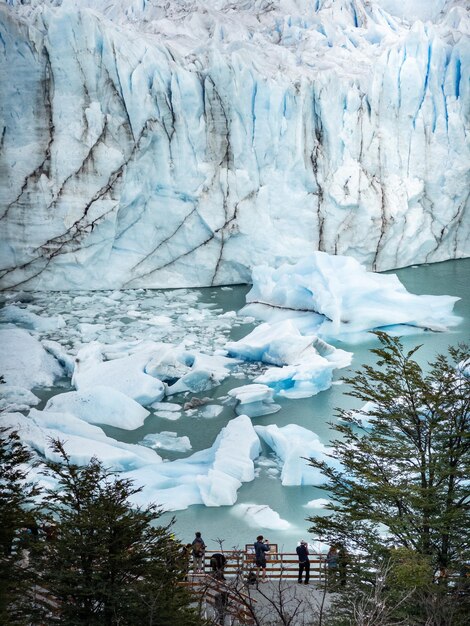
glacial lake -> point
(200, 317)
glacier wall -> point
(163, 144)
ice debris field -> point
(114, 358)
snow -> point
(25, 318)
(211, 477)
(100, 405)
(188, 142)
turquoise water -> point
(223, 523)
(450, 278)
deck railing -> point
(278, 564)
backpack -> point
(198, 547)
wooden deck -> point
(283, 565)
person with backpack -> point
(198, 553)
(261, 547)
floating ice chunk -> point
(254, 400)
(100, 405)
(172, 407)
(27, 319)
(196, 381)
(275, 344)
(24, 362)
(363, 414)
(159, 320)
(125, 374)
(167, 410)
(82, 441)
(292, 444)
(210, 410)
(318, 503)
(350, 298)
(211, 477)
(14, 398)
(168, 415)
(260, 516)
(306, 363)
(66, 360)
(167, 440)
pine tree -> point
(403, 478)
(17, 496)
(110, 563)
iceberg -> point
(293, 445)
(305, 363)
(14, 399)
(335, 296)
(125, 374)
(24, 362)
(254, 400)
(261, 516)
(211, 477)
(24, 318)
(167, 440)
(148, 144)
(81, 441)
(100, 405)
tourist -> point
(304, 563)
(217, 563)
(343, 562)
(198, 553)
(332, 566)
(261, 546)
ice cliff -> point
(153, 144)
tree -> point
(17, 496)
(403, 474)
(109, 563)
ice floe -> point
(14, 398)
(82, 441)
(24, 362)
(254, 400)
(304, 363)
(261, 516)
(293, 445)
(100, 405)
(167, 440)
(211, 477)
(125, 374)
(333, 296)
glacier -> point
(157, 144)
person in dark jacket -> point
(199, 548)
(261, 546)
(304, 563)
(218, 562)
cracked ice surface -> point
(335, 296)
(182, 143)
